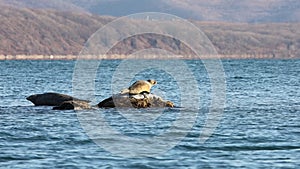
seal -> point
(140, 86)
(52, 99)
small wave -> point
(18, 158)
(254, 148)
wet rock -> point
(73, 105)
(134, 101)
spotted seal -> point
(140, 86)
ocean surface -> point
(259, 126)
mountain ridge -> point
(251, 11)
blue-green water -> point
(259, 128)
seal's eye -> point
(153, 82)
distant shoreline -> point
(112, 57)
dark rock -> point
(134, 101)
(51, 99)
(107, 103)
(73, 105)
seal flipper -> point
(144, 92)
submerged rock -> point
(73, 105)
(134, 101)
(52, 99)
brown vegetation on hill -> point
(44, 32)
(277, 39)
(27, 31)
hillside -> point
(43, 4)
(251, 11)
(27, 31)
(46, 32)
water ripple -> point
(258, 129)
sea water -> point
(259, 126)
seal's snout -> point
(151, 81)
